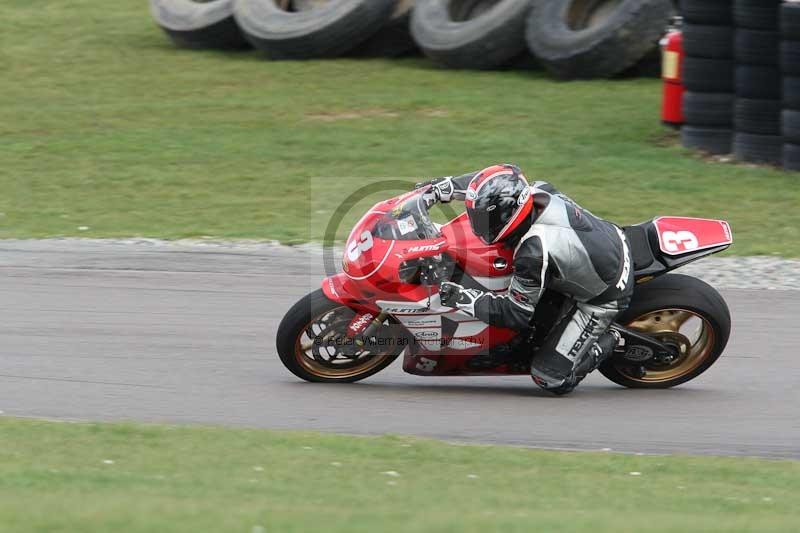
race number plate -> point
(679, 235)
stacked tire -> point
(790, 67)
(290, 29)
(199, 25)
(757, 109)
(708, 75)
(327, 30)
(584, 39)
(471, 34)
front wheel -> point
(312, 343)
(679, 311)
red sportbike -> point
(386, 303)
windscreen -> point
(408, 221)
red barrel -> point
(671, 67)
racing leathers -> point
(567, 249)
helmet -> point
(498, 202)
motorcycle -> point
(385, 303)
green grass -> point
(55, 477)
(105, 125)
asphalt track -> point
(186, 335)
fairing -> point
(395, 236)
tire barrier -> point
(708, 110)
(394, 39)
(757, 116)
(475, 34)
(707, 12)
(709, 140)
(789, 19)
(712, 42)
(756, 14)
(755, 148)
(708, 76)
(579, 39)
(571, 38)
(329, 29)
(199, 25)
(753, 81)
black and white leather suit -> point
(569, 250)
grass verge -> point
(60, 477)
(106, 130)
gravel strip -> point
(760, 272)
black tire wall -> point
(713, 141)
(713, 42)
(708, 75)
(762, 117)
(756, 14)
(753, 81)
(712, 12)
(755, 148)
(713, 110)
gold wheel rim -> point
(686, 330)
(318, 349)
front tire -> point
(680, 310)
(309, 343)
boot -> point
(598, 354)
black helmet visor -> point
(488, 221)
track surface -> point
(167, 334)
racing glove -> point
(442, 190)
(456, 296)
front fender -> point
(341, 289)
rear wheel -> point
(313, 345)
(682, 312)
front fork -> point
(363, 335)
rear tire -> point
(292, 329)
(676, 291)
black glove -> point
(456, 296)
(442, 190)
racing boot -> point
(560, 376)
(597, 355)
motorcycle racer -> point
(558, 245)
